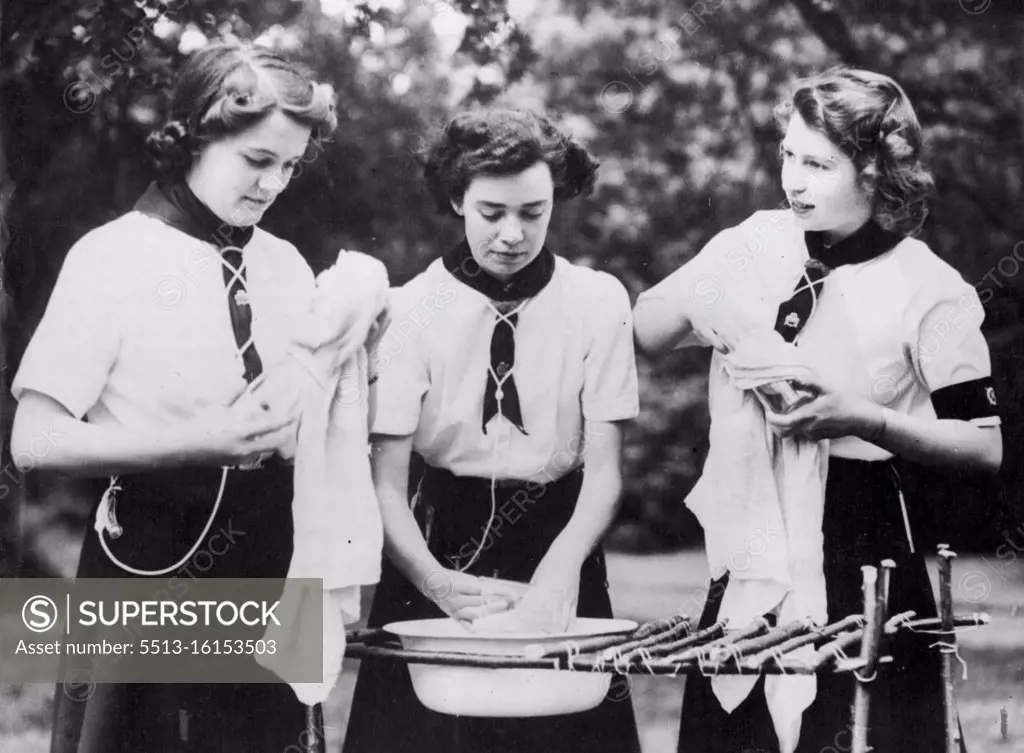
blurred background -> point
(674, 97)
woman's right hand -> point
(241, 434)
(465, 597)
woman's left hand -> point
(551, 602)
(548, 605)
(830, 415)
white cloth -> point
(760, 498)
(760, 501)
(338, 535)
(574, 363)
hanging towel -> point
(338, 535)
(760, 498)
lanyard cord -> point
(498, 394)
(808, 285)
(106, 512)
(106, 520)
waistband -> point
(440, 478)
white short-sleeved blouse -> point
(903, 329)
(137, 330)
(574, 362)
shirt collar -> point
(867, 242)
(525, 283)
(176, 205)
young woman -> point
(509, 370)
(159, 324)
(893, 333)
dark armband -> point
(967, 400)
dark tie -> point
(241, 313)
(797, 310)
(501, 386)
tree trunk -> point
(824, 20)
(11, 482)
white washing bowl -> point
(480, 691)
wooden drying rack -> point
(673, 646)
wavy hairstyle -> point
(869, 118)
(502, 141)
(228, 87)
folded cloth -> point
(760, 500)
(338, 535)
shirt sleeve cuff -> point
(394, 424)
(614, 409)
(58, 389)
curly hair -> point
(869, 118)
(228, 87)
(501, 141)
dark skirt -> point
(162, 514)
(386, 716)
(863, 525)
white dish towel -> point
(338, 534)
(760, 501)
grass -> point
(647, 587)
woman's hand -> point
(830, 415)
(554, 593)
(241, 434)
(548, 605)
(279, 392)
(467, 598)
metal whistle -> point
(106, 513)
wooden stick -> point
(885, 582)
(869, 654)
(899, 621)
(642, 633)
(785, 667)
(757, 660)
(591, 645)
(362, 635)
(887, 567)
(948, 646)
(697, 639)
(314, 742)
(451, 659)
(935, 623)
(757, 645)
(830, 652)
(627, 652)
(666, 623)
(755, 628)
